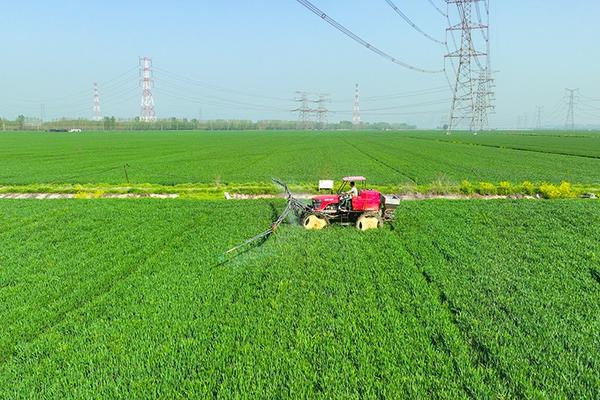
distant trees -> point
(20, 121)
(109, 123)
(346, 125)
(135, 124)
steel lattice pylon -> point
(97, 114)
(303, 110)
(321, 111)
(147, 112)
(571, 98)
(306, 112)
(356, 111)
(483, 102)
(473, 93)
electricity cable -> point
(311, 7)
(411, 23)
(437, 8)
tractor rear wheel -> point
(313, 221)
(369, 221)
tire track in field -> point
(452, 165)
(32, 221)
(480, 352)
(595, 273)
(413, 180)
(104, 290)
(495, 146)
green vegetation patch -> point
(405, 159)
(217, 191)
(120, 299)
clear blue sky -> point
(54, 50)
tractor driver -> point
(353, 191)
(347, 200)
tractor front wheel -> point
(369, 221)
(313, 221)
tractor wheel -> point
(369, 221)
(313, 221)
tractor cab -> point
(366, 200)
(360, 181)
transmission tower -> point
(97, 114)
(303, 109)
(472, 90)
(538, 123)
(321, 111)
(570, 122)
(483, 102)
(147, 113)
(356, 111)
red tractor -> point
(366, 210)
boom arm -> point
(293, 205)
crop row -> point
(520, 282)
(457, 299)
(298, 157)
(584, 144)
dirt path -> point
(390, 199)
(401, 197)
(54, 196)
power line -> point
(79, 109)
(409, 21)
(589, 98)
(400, 107)
(175, 85)
(231, 105)
(437, 8)
(426, 103)
(119, 80)
(588, 114)
(371, 113)
(399, 95)
(361, 41)
(166, 85)
(206, 85)
(80, 95)
(416, 93)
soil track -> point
(241, 196)
(55, 196)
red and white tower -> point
(356, 112)
(97, 115)
(147, 110)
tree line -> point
(23, 123)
